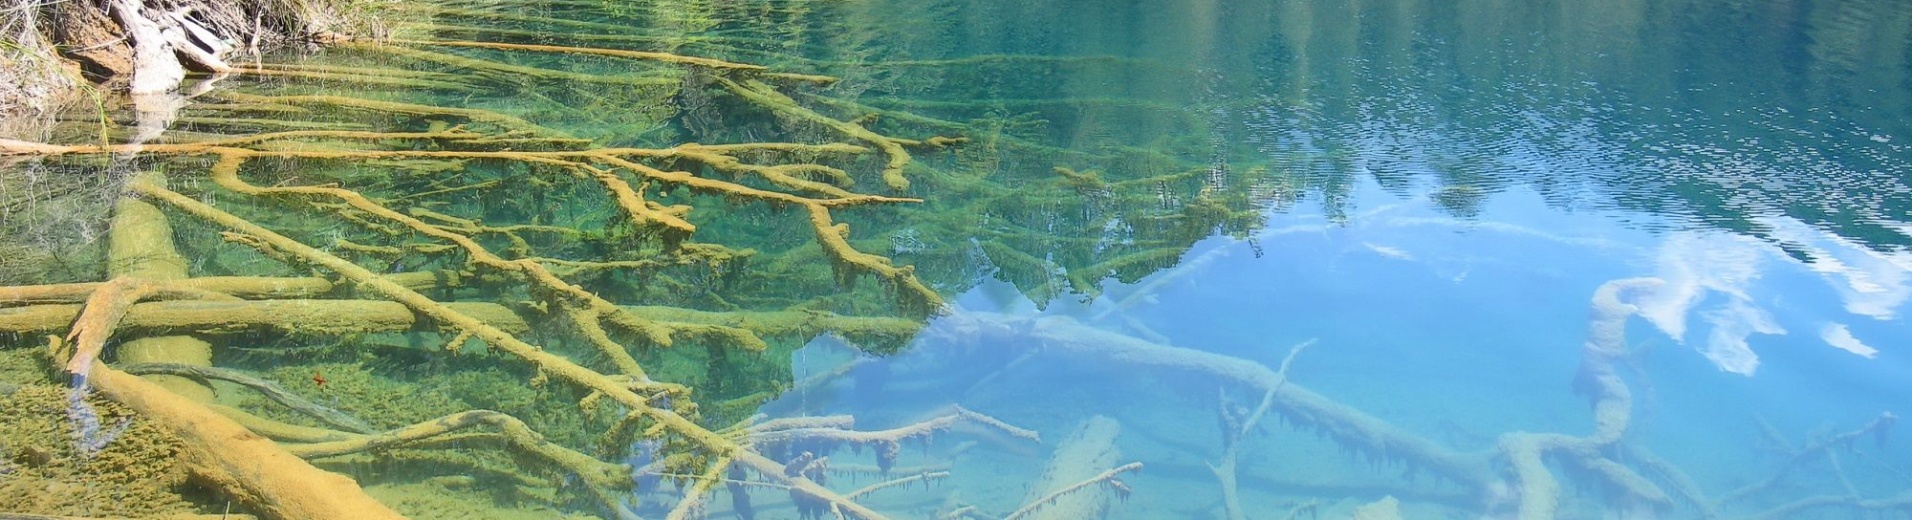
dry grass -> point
(34, 82)
(31, 82)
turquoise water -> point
(1389, 221)
(1469, 173)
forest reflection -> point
(1709, 113)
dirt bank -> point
(53, 53)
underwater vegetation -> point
(320, 225)
(550, 259)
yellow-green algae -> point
(720, 318)
(41, 472)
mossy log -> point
(251, 469)
(242, 287)
(913, 297)
(284, 316)
(140, 247)
(354, 77)
(120, 305)
(794, 323)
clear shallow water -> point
(1469, 174)
(1429, 195)
(1455, 330)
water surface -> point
(1160, 201)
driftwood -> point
(160, 40)
(155, 69)
(203, 50)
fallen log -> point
(251, 469)
(1078, 483)
(244, 287)
(323, 317)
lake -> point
(1119, 259)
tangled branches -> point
(393, 219)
